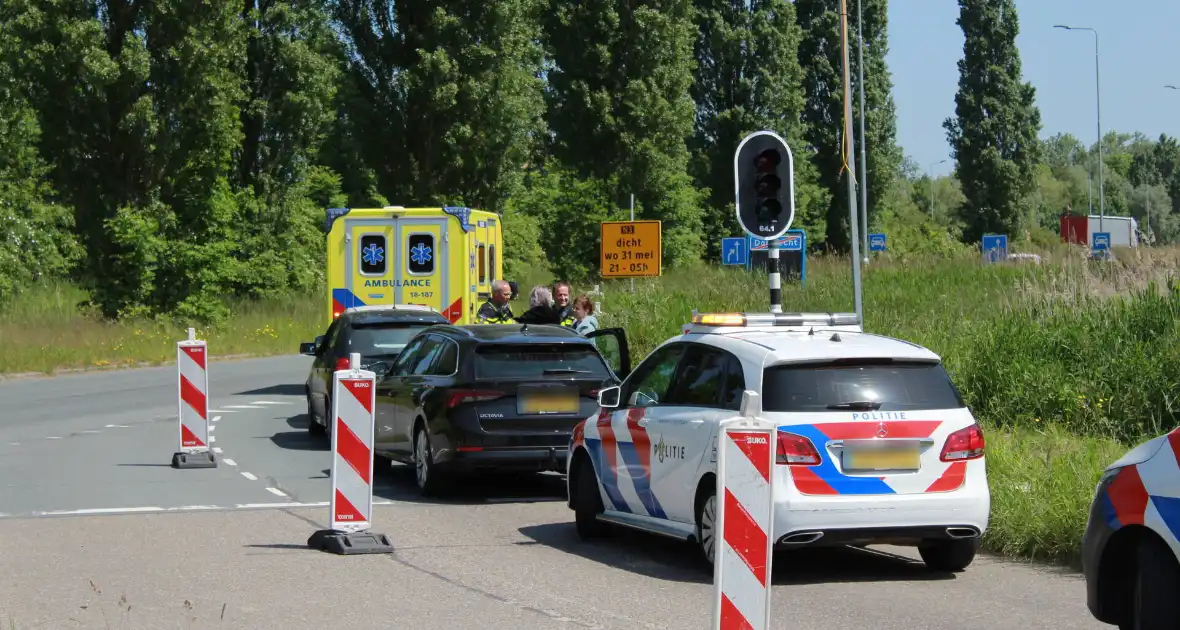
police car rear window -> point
(539, 361)
(863, 386)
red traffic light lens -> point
(767, 161)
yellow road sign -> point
(632, 249)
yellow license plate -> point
(881, 457)
(542, 402)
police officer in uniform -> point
(496, 309)
(561, 301)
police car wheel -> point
(587, 502)
(707, 525)
(949, 555)
(1157, 580)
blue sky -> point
(1139, 51)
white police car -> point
(875, 444)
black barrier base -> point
(350, 543)
(194, 460)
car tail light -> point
(463, 396)
(343, 363)
(796, 450)
(593, 393)
(966, 443)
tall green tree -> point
(620, 108)
(822, 58)
(445, 95)
(748, 78)
(993, 135)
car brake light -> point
(462, 396)
(343, 364)
(593, 393)
(796, 450)
(966, 443)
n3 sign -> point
(764, 185)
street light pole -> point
(930, 170)
(1098, 104)
(864, 180)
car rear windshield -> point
(384, 338)
(896, 386)
(539, 361)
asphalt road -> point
(95, 521)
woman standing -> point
(584, 320)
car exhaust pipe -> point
(801, 538)
(961, 532)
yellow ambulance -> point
(444, 257)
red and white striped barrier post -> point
(192, 373)
(351, 505)
(745, 520)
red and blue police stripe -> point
(826, 478)
(606, 449)
(1141, 492)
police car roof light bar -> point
(776, 319)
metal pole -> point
(776, 292)
(930, 174)
(864, 180)
(1098, 105)
(633, 219)
(854, 239)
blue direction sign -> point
(1101, 241)
(733, 251)
(876, 242)
(995, 247)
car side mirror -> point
(307, 348)
(609, 397)
(751, 404)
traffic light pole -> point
(776, 291)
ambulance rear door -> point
(370, 252)
(483, 277)
(421, 274)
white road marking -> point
(229, 462)
(53, 437)
(14, 443)
(110, 426)
(216, 418)
(270, 402)
(212, 439)
(244, 407)
(92, 431)
(250, 476)
(212, 428)
(217, 449)
(181, 508)
(276, 491)
(123, 510)
(221, 411)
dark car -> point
(467, 399)
(377, 333)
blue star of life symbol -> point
(420, 254)
(373, 254)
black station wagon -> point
(466, 399)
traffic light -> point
(765, 185)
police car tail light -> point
(966, 443)
(796, 450)
(464, 396)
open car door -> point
(612, 345)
